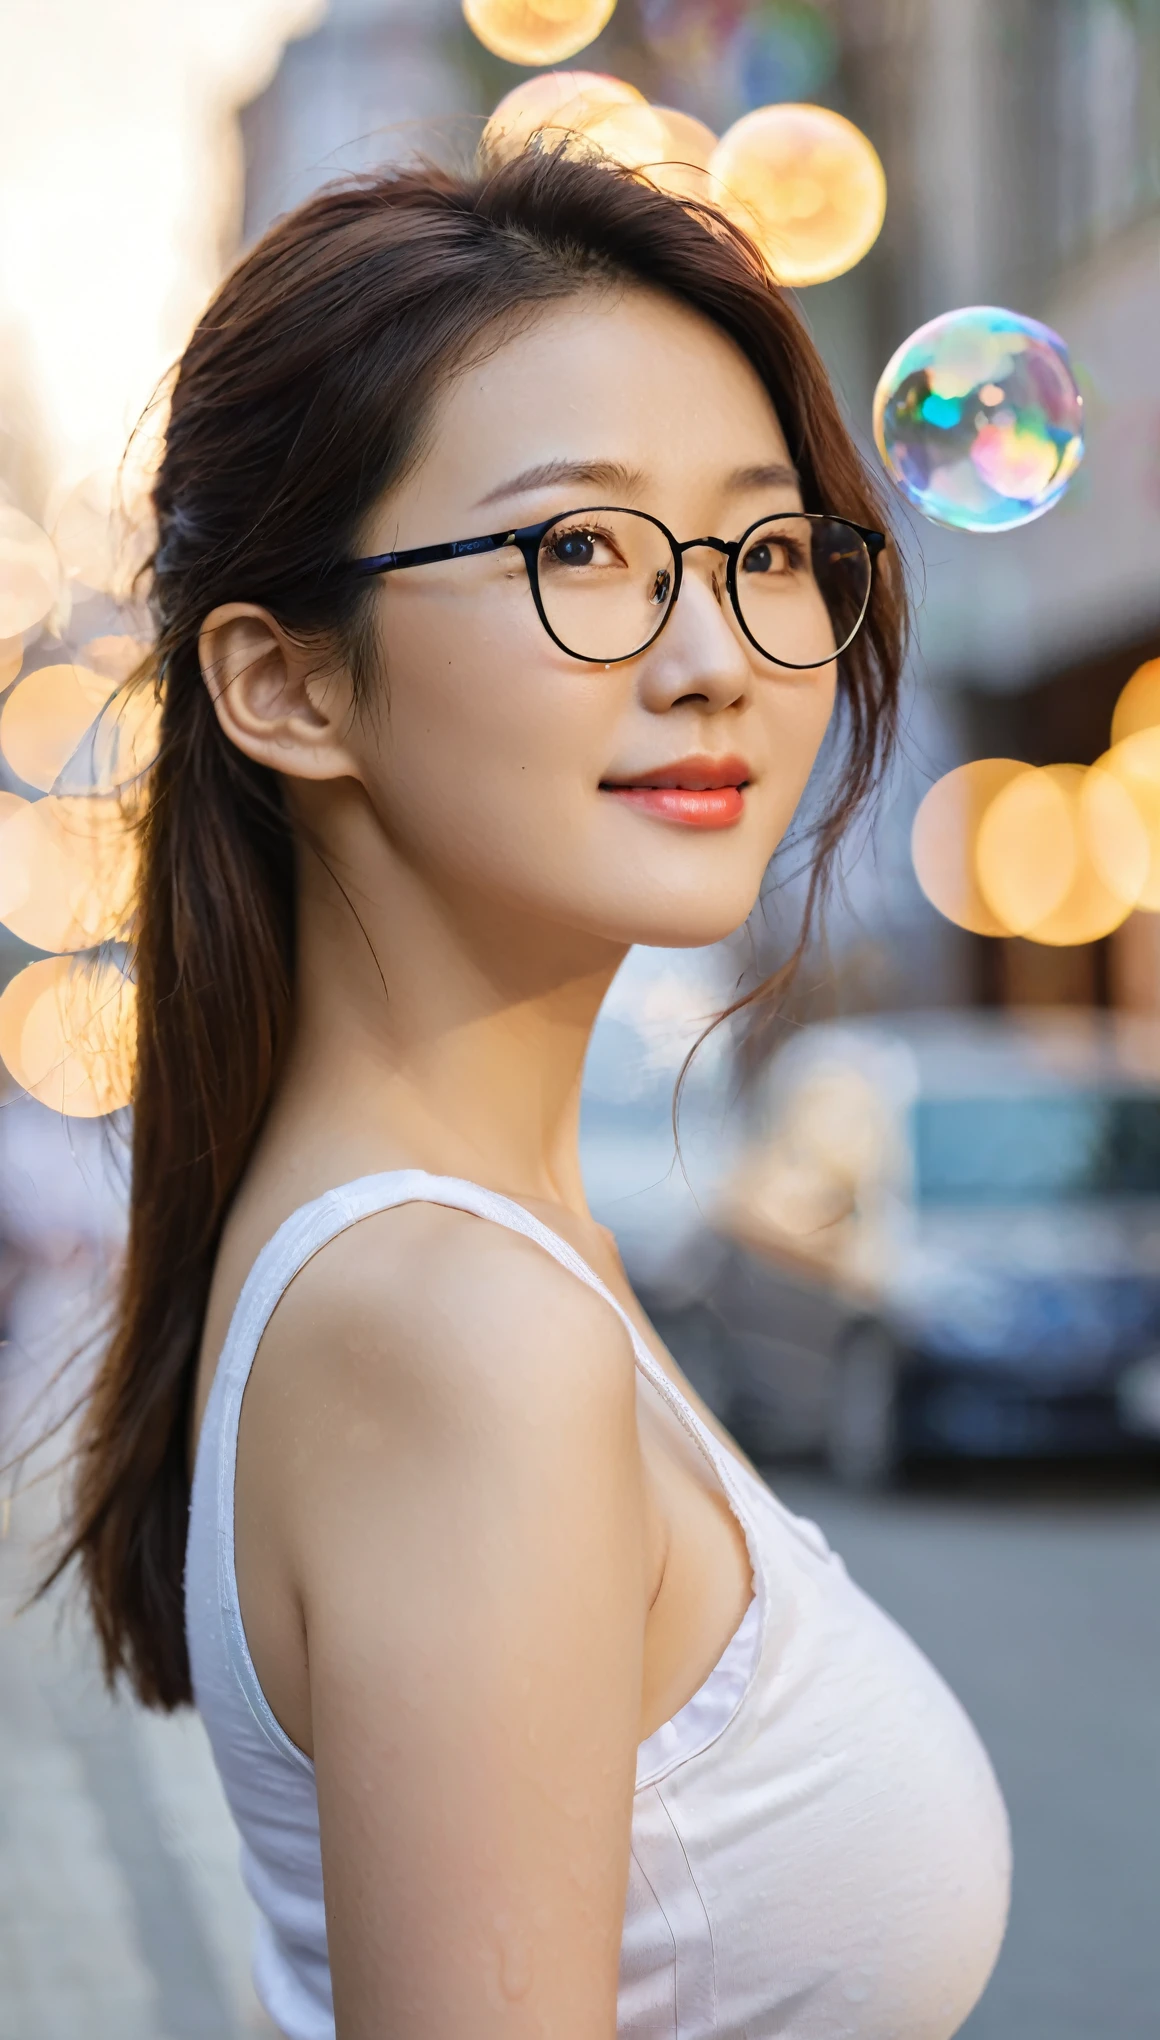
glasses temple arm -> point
(428, 555)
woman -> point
(512, 554)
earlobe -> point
(272, 697)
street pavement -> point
(122, 1913)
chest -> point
(699, 1568)
(837, 1862)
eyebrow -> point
(765, 475)
(613, 474)
(602, 474)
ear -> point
(275, 699)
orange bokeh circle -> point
(633, 135)
(68, 871)
(688, 149)
(30, 575)
(45, 717)
(1027, 850)
(555, 104)
(69, 729)
(943, 841)
(1134, 763)
(1138, 707)
(537, 32)
(116, 658)
(84, 532)
(1062, 855)
(11, 659)
(67, 1034)
(806, 185)
(1058, 854)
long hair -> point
(303, 395)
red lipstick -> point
(699, 793)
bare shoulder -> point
(415, 1302)
(425, 1338)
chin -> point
(686, 933)
(682, 923)
(681, 890)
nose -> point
(700, 657)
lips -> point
(697, 793)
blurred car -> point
(942, 1236)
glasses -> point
(605, 581)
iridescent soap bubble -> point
(979, 419)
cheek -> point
(489, 752)
(797, 715)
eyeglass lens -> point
(606, 582)
(803, 583)
(607, 579)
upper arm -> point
(468, 1540)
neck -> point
(447, 1033)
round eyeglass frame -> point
(529, 538)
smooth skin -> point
(477, 1562)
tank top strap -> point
(314, 1225)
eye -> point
(573, 548)
(580, 545)
(770, 556)
(577, 546)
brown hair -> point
(300, 399)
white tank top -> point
(819, 1848)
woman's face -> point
(503, 765)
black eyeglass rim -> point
(529, 537)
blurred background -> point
(910, 1249)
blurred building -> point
(375, 82)
(1022, 144)
(1021, 140)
